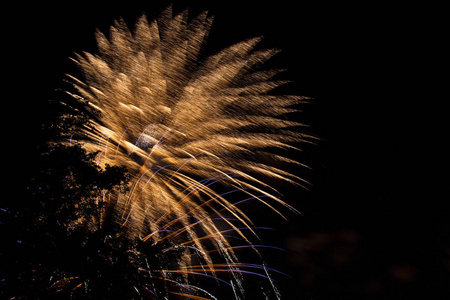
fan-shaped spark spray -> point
(183, 125)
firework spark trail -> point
(210, 120)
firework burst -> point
(184, 126)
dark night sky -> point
(355, 61)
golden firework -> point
(183, 125)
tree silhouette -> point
(51, 230)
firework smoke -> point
(182, 126)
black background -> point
(369, 204)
